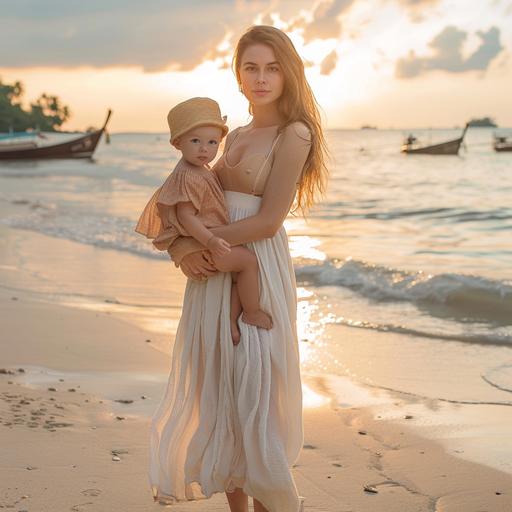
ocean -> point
(404, 269)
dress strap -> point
(262, 166)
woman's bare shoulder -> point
(298, 129)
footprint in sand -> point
(91, 492)
(79, 506)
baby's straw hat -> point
(193, 113)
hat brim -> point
(217, 124)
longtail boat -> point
(81, 147)
(450, 147)
(501, 143)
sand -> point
(60, 443)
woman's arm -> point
(279, 193)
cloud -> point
(447, 54)
(329, 63)
(325, 23)
(416, 8)
(155, 35)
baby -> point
(191, 201)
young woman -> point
(231, 417)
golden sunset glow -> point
(434, 58)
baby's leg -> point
(244, 261)
(236, 309)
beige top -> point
(247, 159)
(199, 186)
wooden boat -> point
(502, 143)
(450, 147)
(81, 147)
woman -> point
(231, 417)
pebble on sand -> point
(119, 451)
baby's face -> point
(199, 146)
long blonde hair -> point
(297, 103)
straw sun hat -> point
(193, 113)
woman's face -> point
(261, 76)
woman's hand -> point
(198, 265)
(218, 246)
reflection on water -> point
(306, 247)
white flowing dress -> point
(231, 416)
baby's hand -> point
(218, 246)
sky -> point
(388, 63)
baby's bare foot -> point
(258, 318)
(235, 332)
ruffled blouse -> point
(199, 186)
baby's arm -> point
(186, 214)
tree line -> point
(45, 114)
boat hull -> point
(503, 146)
(445, 148)
(503, 149)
